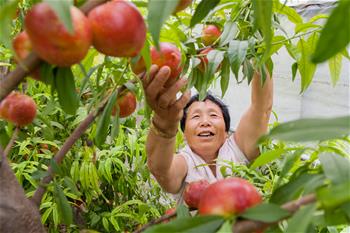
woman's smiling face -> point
(205, 128)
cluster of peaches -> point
(115, 28)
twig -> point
(59, 156)
(11, 142)
(32, 61)
(248, 226)
(155, 221)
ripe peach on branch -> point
(18, 108)
(22, 47)
(52, 41)
(118, 29)
(228, 197)
(168, 55)
(194, 191)
(126, 104)
(210, 34)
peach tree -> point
(81, 162)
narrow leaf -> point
(104, 120)
(203, 8)
(65, 86)
(182, 212)
(294, 70)
(236, 52)
(158, 13)
(64, 209)
(225, 76)
(62, 9)
(7, 12)
(306, 68)
(335, 65)
(311, 129)
(263, 21)
(229, 33)
(338, 22)
(203, 224)
(292, 15)
(267, 157)
(266, 212)
(301, 219)
(334, 195)
(335, 167)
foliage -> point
(103, 182)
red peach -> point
(228, 197)
(52, 41)
(118, 29)
(127, 105)
(194, 191)
(210, 34)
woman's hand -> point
(160, 94)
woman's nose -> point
(205, 121)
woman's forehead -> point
(201, 106)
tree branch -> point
(32, 61)
(11, 142)
(248, 226)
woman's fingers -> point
(182, 101)
(146, 79)
(157, 83)
(169, 96)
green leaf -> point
(182, 212)
(292, 189)
(346, 208)
(146, 55)
(65, 86)
(104, 120)
(311, 129)
(7, 12)
(303, 27)
(236, 53)
(56, 168)
(71, 185)
(247, 70)
(334, 195)
(306, 67)
(266, 212)
(229, 33)
(64, 209)
(4, 138)
(292, 15)
(62, 10)
(335, 65)
(301, 219)
(158, 13)
(263, 21)
(294, 70)
(267, 157)
(215, 58)
(203, 224)
(338, 22)
(203, 8)
(335, 167)
(226, 227)
(225, 76)
(47, 73)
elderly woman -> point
(206, 130)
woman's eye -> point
(213, 115)
(195, 116)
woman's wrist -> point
(163, 128)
